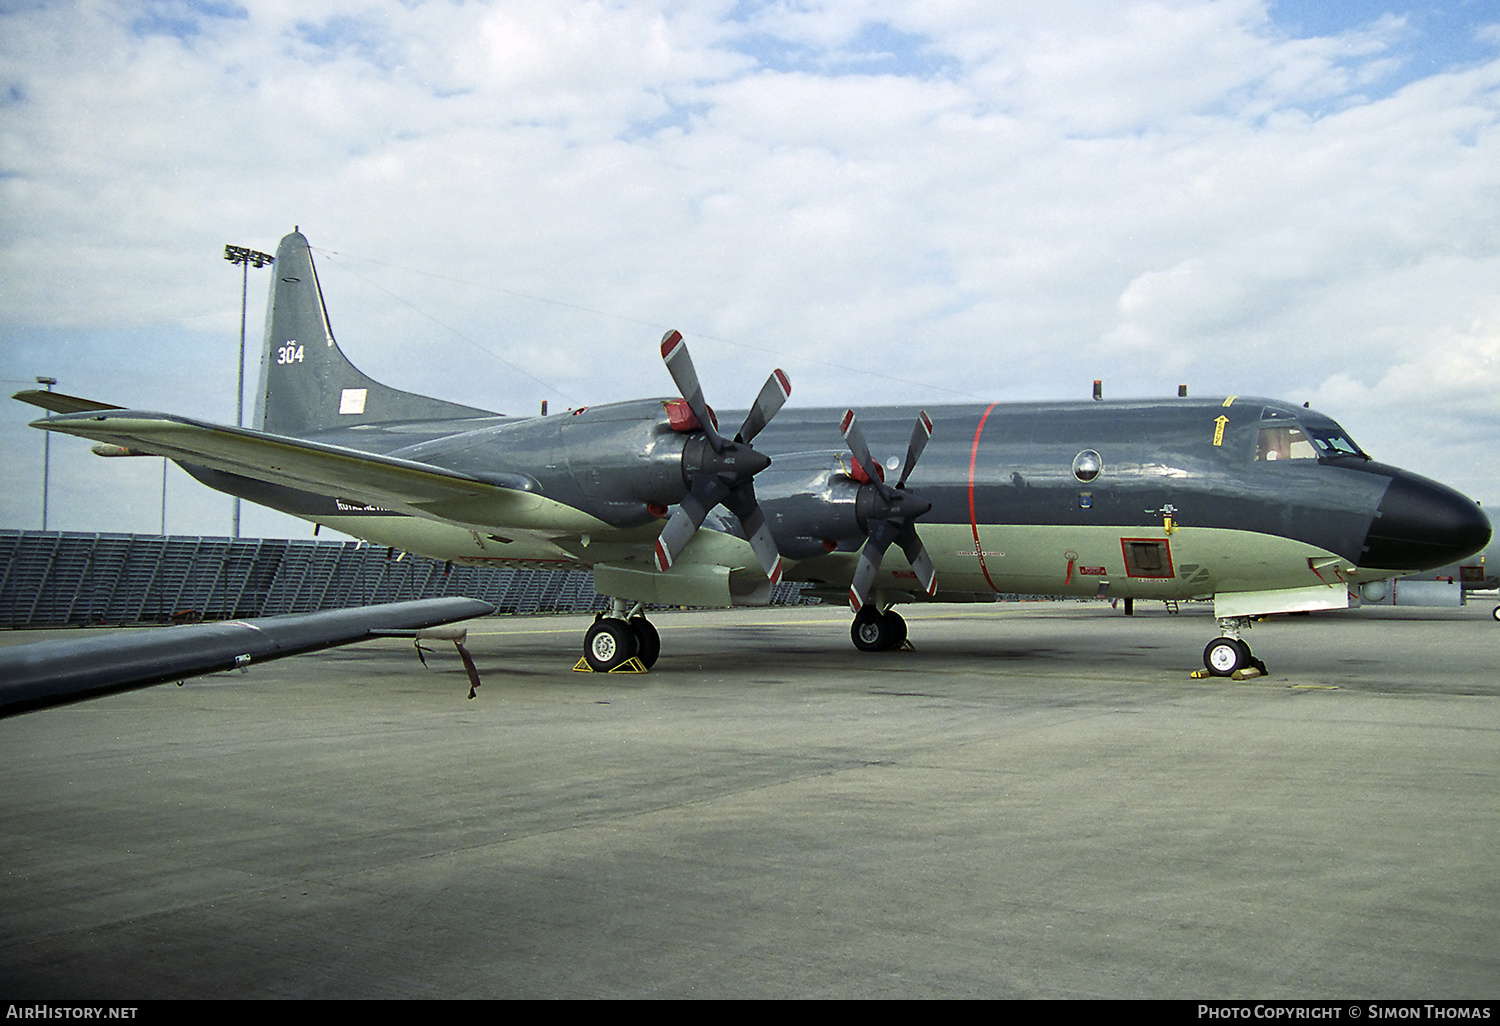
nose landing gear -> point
(1227, 655)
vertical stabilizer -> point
(307, 385)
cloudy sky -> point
(935, 202)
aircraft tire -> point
(873, 631)
(648, 641)
(1496, 613)
(1225, 655)
(608, 643)
(898, 627)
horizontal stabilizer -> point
(60, 402)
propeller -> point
(725, 473)
(889, 512)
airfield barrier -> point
(76, 579)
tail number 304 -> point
(289, 353)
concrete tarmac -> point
(1037, 802)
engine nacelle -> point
(812, 504)
(620, 462)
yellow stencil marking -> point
(1219, 423)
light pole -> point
(244, 256)
(46, 452)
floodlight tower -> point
(46, 452)
(245, 257)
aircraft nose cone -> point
(1422, 525)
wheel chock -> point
(631, 665)
(1247, 673)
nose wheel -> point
(1229, 654)
(1225, 655)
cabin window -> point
(1087, 465)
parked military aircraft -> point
(1262, 506)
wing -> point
(47, 673)
(399, 485)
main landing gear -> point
(874, 631)
(1227, 654)
(619, 636)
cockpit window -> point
(1334, 442)
(1282, 438)
(1284, 442)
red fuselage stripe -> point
(973, 520)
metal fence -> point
(68, 579)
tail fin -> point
(307, 385)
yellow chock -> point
(631, 665)
(1248, 673)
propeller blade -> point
(741, 502)
(880, 537)
(773, 395)
(920, 433)
(708, 491)
(864, 575)
(674, 353)
(854, 437)
(916, 555)
(727, 475)
(893, 520)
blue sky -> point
(1436, 35)
(1002, 200)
